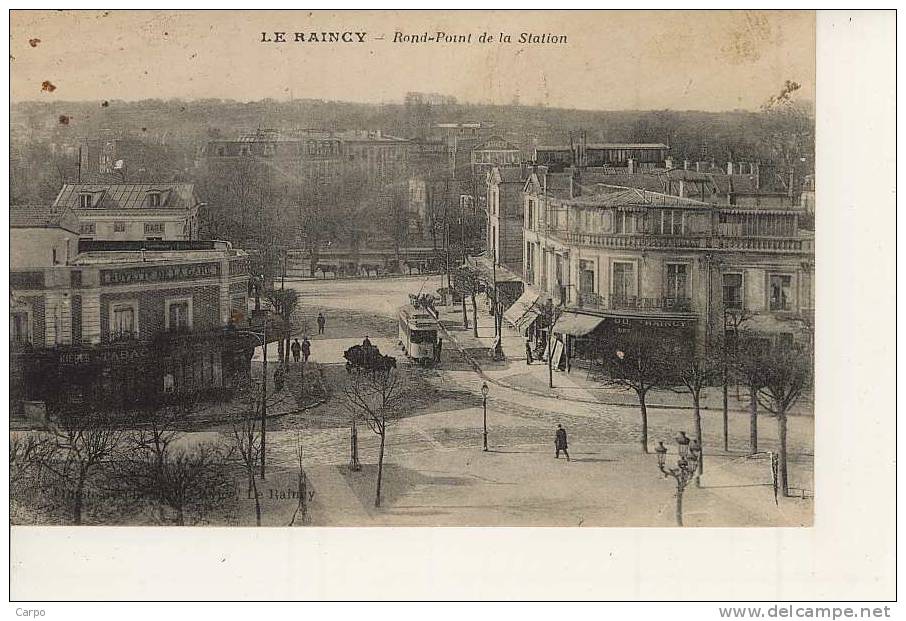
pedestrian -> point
(560, 442)
(321, 321)
(279, 376)
(296, 348)
(306, 348)
(437, 349)
(528, 351)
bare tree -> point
(697, 371)
(84, 446)
(750, 355)
(245, 436)
(284, 303)
(639, 364)
(378, 397)
(468, 283)
(733, 320)
(785, 376)
(27, 453)
(549, 314)
(301, 511)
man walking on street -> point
(321, 322)
(437, 348)
(528, 351)
(560, 442)
(306, 348)
(296, 349)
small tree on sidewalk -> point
(785, 376)
(245, 437)
(733, 320)
(284, 303)
(697, 371)
(549, 314)
(750, 357)
(468, 283)
(377, 397)
(639, 364)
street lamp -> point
(484, 402)
(688, 454)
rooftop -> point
(602, 195)
(39, 216)
(118, 196)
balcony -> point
(122, 336)
(587, 299)
(704, 242)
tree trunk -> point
(781, 431)
(726, 418)
(380, 472)
(180, 517)
(474, 316)
(753, 420)
(644, 409)
(257, 502)
(697, 421)
(465, 314)
(77, 501)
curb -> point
(475, 364)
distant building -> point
(42, 236)
(506, 215)
(132, 211)
(494, 152)
(634, 156)
(312, 154)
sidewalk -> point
(576, 385)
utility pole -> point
(264, 402)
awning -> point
(522, 313)
(575, 324)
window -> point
(86, 228)
(119, 226)
(123, 321)
(86, 201)
(530, 215)
(154, 199)
(673, 222)
(732, 286)
(625, 222)
(154, 228)
(677, 281)
(623, 280)
(179, 314)
(779, 291)
(18, 328)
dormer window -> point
(86, 201)
(154, 199)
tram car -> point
(418, 333)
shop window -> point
(732, 288)
(780, 287)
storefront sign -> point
(113, 356)
(161, 273)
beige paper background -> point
(848, 554)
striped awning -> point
(522, 313)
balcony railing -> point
(641, 240)
(122, 336)
(632, 302)
(586, 299)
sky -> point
(612, 60)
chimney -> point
(757, 172)
(685, 164)
(698, 166)
(630, 164)
(729, 168)
(682, 188)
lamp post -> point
(484, 402)
(688, 454)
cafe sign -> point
(111, 356)
(160, 273)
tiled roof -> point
(117, 196)
(36, 216)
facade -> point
(132, 211)
(313, 155)
(614, 154)
(626, 261)
(494, 153)
(505, 215)
(129, 317)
